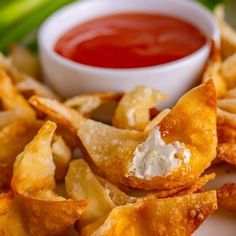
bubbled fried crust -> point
(226, 149)
(198, 135)
(226, 196)
(179, 216)
(227, 152)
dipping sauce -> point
(130, 40)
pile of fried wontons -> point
(83, 166)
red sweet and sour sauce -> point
(130, 40)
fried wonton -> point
(226, 196)
(192, 188)
(109, 147)
(213, 71)
(231, 93)
(26, 84)
(102, 196)
(226, 128)
(25, 60)
(228, 104)
(229, 71)
(157, 119)
(7, 65)
(227, 152)
(226, 148)
(179, 216)
(11, 218)
(12, 100)
(86, 104)
(61, 157)
(112, 149)
(33, 182)
(133, 109)
(18, 125)
(226, 117)
(29, 87)
(13, 138)
(81, 183)
(228, 34)
(60, 113)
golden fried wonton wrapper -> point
(60, 113)
(226, 117)
(226, 148)
(12, 100)
(213, 71)
(81, 183)
(26, 84)
(231, 93)
(7, 65)
(133, 109)
(227, 152)
(157, 120)
(33, 181)
(25, 60)
(228, 34)
(111, 149)
(34, 167)
(192, 188)
(102, 196)
(229, 70)
(85, 104)
(11, 220)
(226, 196)
(198, 135)
(228, 104)
(118, 197)
(61, 157)
(13, 138)
(29, 87)
(7, 117)
(179, 216)
(226, 132)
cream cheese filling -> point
(154, 157)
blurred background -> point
(21, 19)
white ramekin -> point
(69, 78)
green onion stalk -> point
(20, 20)
(212, 3)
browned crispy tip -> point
(211, 91)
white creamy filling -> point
(156, 158)
(131, 117)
